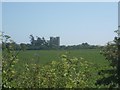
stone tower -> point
(55, 42)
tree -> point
(23, 46)
(32, 40)
(111, 52)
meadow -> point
(82, 64)
(42, 57)
(46, 56)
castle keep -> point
(55, 41)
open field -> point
(46, 56)
(42, 57)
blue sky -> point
(119, 13)
(75, 23)
(0, 16)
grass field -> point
(45, 56)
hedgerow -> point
(66, 73)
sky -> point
(74, 23)
(119, 13)
(59, 0)
(0, 16)
(0, 21)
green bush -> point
(66, 73)
(109, 75)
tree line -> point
(40, 43)
(109, 75)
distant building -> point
(55, 42)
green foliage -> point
(45, 56)
(66, 73)
(40, 43)
(109, 76)
(110, 51)
(23, 46)
(9, 59)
